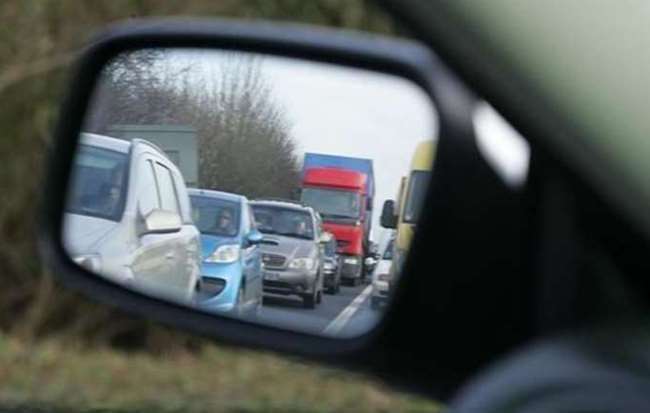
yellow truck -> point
(402, 214)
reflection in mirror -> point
(281, 191)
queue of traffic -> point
(131, 218)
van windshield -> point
(98, 183)
(332, 203)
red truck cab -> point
(339, 195)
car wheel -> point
(239, 305)
(257, 310)
(195, 294)
(309, 301)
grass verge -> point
(50, 376)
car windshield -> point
(283, 221)
(332, 203)
(415, 197)
(99, 183)
(388, 253)
(214, 216)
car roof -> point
(106, 142)
(283, 204)
(209, 193)
(117, 144)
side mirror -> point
(192, 265)
(159, 221)
(388, 217)
(268, 241)
(325, 237)
(254, 237)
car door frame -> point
(255, 277)
(247, 256)
(144, 244)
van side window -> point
(147, 193)
(168, 199)
(183, 198)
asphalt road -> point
(346, 314)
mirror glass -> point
(277, 190)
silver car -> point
(292, 249)
(381, 276)
(128, 217)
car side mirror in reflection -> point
(325, 237)
(370, 261)
(159, 221)
(254, 237)
(268, 241)
(388, 216)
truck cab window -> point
(333, 204)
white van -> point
(128, 218)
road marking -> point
(344, 316)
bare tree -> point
(133, 89)
(245, 143)
(245, 134)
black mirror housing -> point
(388, 217)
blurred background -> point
(59, 351)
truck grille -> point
(273, 260)
(350, 271)
(342, 244)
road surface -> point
(346, 314)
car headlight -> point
(328, 266)
(90, 262)
(351, 260)
(302, 263)
(224, 254)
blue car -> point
(231, 277)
